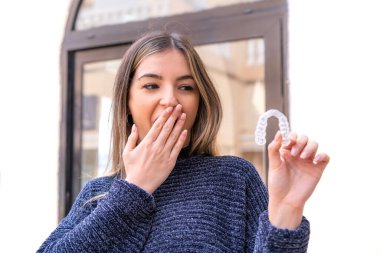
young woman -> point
(168, 191)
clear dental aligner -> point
(260, 134)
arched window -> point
(243, 45)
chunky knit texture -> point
(207, 204)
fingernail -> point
(133, 128)
(317, 159)
(169, 109)
(294, 151)
(303, 155)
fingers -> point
(299, 145)
(167, 129)
(174, 135)
(158, 125)
(132, 139)
(292, 137)
(309, 150)
(322, 158)
(305, 149)
(274, 151)
(179, 144)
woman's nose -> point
(169, 99)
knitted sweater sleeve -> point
(263, 237)
(119, 221)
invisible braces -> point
(260, 133)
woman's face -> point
(162, 80)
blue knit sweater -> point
(207, 204)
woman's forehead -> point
(161, 62)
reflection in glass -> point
(98, 81)
(95, 13)
(237, 69)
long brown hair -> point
(209, 115)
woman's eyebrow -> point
(185, 77)
(151, 75)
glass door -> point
(95, 71)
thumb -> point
(132, 139)
(274, 151)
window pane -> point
(237, 70)
(98, 81)
(95, 13)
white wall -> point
(31, 35)
(334, 53)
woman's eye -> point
(150, 86)
(186, 87)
